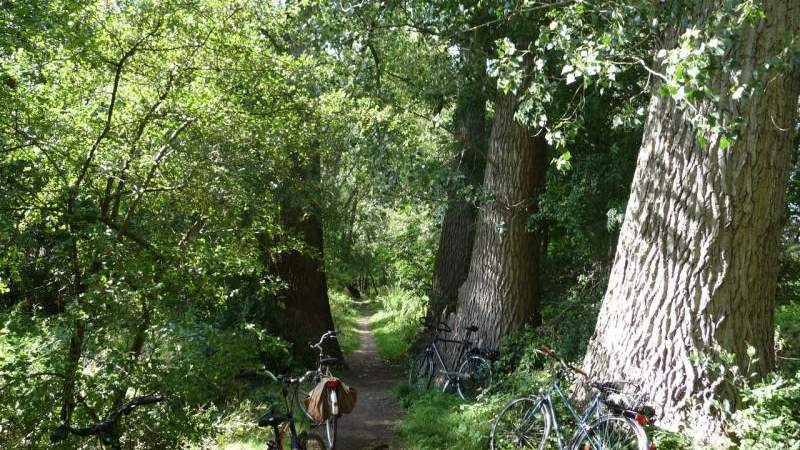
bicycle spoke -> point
(612, 433)
(476, 375)
(421, 371)
(523, 423)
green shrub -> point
(436, 420)
(345, 317)
(771, 419)
(787, 336)
(396, 324)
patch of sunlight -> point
(239, 445)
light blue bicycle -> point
(613, 419)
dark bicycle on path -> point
(613, 419)
(470, 374)
(311, 379)
(107, 431)
(281, 423)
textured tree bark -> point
(307, 311)
(697, 259)
(500, 292)
(458, 226)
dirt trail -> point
(377, 413)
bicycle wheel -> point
(301, 394)
(612, 433)
(477, 372)
(311, 441)
(330, 432)
(420, 372)
(523, 423)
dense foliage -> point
(143, 154)
(149, 148)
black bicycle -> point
(107, 431)
(281, 423)
(473, 365)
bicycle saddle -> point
(328, 361)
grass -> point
(243, 445)
(345, 316)
(235, 428)
(438, 420)
(396, 323)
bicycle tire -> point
(420, 372)
(329, 435)
(478, 371)
(523, 423)
(612, 432)
(312, 441)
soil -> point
(372, 424)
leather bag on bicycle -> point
(317, 402)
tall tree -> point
(500, 291)
(471, 132)
(695, 271)
(302, 270)
(305, 290)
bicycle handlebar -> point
(289, 380)
(547, 351)
(112, 418)
(330, 334)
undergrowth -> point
(436, 420)
(396, 323)
(345, 316)
(768, 417)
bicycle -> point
(531, 422)
(107, 431)
(312, 378)
(302, 441)
(474, 365)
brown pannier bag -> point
(318, 404)
(347, 398)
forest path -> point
(377, 413)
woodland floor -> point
(377, 413)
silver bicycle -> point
(613, 420)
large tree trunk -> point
(458, 227)
(307, 311)
(696, 264)
(500, 293)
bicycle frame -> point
(288, 419)
(432, 347)
(582, 420)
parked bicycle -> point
(613, 419)
(107, 431)
(312, 378)
(281, 423)
(473, 366)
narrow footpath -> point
(372, 424)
